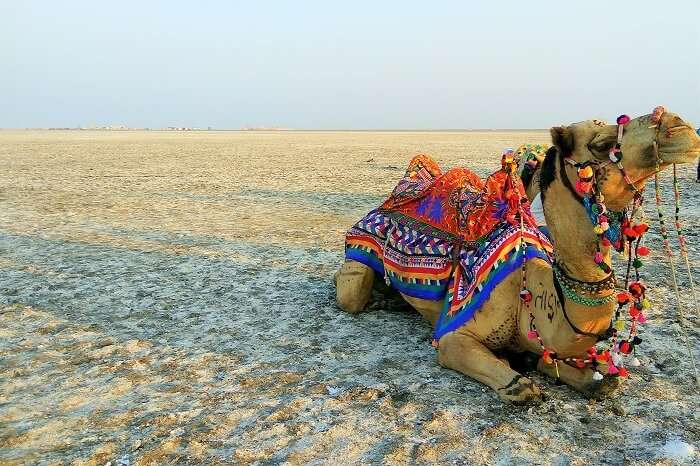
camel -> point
(568, 329)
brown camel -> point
(567, 328)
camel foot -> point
(469, 356)
(520, 390)
(582, 380)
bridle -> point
(564, 284)
(631, 300)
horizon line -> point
(282, 130)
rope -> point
(669, 255)
(681, 238)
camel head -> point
(593, 140)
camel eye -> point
(601, 148)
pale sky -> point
(361, 64)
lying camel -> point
(567, 326)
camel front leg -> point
(581, 380)
(469, 356)
(353, 286)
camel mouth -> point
(681, 144)
(678, 157)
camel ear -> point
(563, 139)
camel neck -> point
(575, 242)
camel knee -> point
(469, 356)
(353, 284)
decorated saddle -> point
(449, 236)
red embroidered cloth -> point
(458, 202)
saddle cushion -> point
(448, 236)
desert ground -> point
(166, 298)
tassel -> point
(597, 376)
(624, 119)
(612, 370)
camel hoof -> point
(603, 389)
(520, 391)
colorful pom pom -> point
(636, 289)
(547, 357)
(625, 347)
(525, 295)
(585, 172)
(623, 119)
(630, 233)
(643, 251)
(583, 187)
(531, 335)
(641, 228)
(657, 113)
(597, 376)
(598, 258)
(623, 298)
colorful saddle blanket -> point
(449, 236)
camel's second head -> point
(676, 140)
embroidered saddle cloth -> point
(449, 236)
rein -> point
(667, 246)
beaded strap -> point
(608, 283)
(586, 301)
